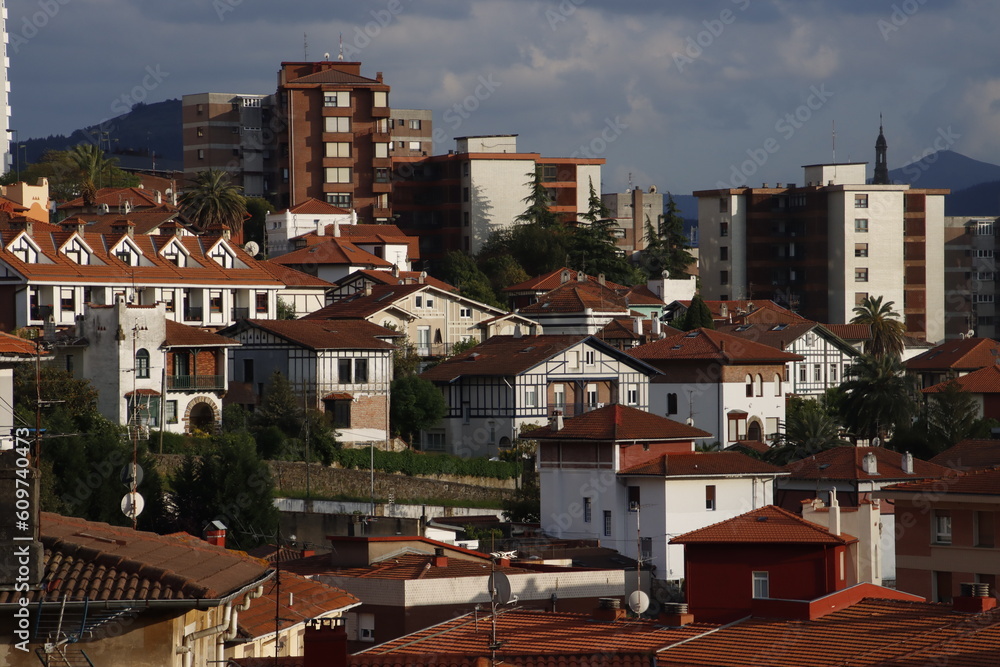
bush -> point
(417, 463)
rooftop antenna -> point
(500, 594)
(638, 601)
(340, 56)
(834, 141)
(305, 47)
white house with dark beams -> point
(508, 382)
(343, 367)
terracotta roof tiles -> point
(986, 380)
(334, 250)
(313, 206)
(970, 454)
(960, 355)
(983, 481)
(847, 463)
(297, 598)
(710, 345)
(360, 305)
(765, 525)
(292, 277)
(617, 422)
(183, 335)
(698, 464)
(575, 297)
(322, 334)
(553, 279)
(502, 355)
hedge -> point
(416, 463)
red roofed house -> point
(361, 280)
(767, 556)
(984, 386)
(343, 367)
(149, 371)
(953, 359)
(309, 215)
(13, 350)
(601, 470)
(407, 584)
(332, 260)
(970, 454)
(302, 293)
(731, 387)
(947, 533)
(508, 382)
(856, 473)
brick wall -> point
(370, 412)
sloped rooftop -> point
(617, 422)
(766, 525)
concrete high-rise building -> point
(631, 210)
(821, 248)
(970, 275)
(5, 131)
(455, 201)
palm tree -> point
(886, 327)
(809, 429)
(214, 200)
(878, 397)
(93, 169)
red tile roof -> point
(360, 305)
(762, 311)
(407, 567)
(618, 422)
(87, 560)
(333, 250)
(534, 632)
(709, 345)
(14, 346)
(322, 334)
(970, 454)
(984, 481)
(292, 277)
(766, 525)
(623, 328)
(115, 197)
(846, 463)
(332, 76)
(851, 332)
(702, 464)
(312, 206)
(364, 235)
(964, 354)
(983, 381)
(381, 277)
(297, 598)
(589, 659)
(866, 634)
(552, 279)
(576, 297)
(781, 335)
(182, 335)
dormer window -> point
(126, 256)
(223, 256)
(25, 249)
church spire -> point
(881, 166)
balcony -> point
(193, 314)
(194, 382)
(241, 314)
(41, 313)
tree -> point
(460, 270)
(286, 311)
(214, 200)
(666, 244)
(253, 230)
(538, 202)
(946, 418)
(93, 170)
(809, 429)
(697, 316)
(887, 329)
(503, 270)
(415, 404)
(596, 210)
(878, 398)
(64, 176)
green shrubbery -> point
(416, 463)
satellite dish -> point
(638, 602)
(131, 475)
(132, 504)
(499, 588)
(252, 248)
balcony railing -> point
(195, 382)
(41, 312)
(193, 314)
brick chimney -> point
(325, 643)
(440, 560)
(215, 533)
(974, 599)
(675, 615)
(609, 610)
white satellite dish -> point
(251, 248)
(499, 588)
(133, 504)
(638, 602)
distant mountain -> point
(946, 169)
(132, 136)
(979, 200)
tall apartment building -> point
(631, 209)
(227, 131)
(821, 248)
(455, 201)
(327, 133)
(970, 251)
(8, 158)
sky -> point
(681, 94)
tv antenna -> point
(500, 594)
(638, 601)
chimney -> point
(657, 327)
(564, 277)
(974, 598)
(306, 553)
(637, 325)
(600, 279)
(422, 278)
(870, 464)
(324, 643)
(215, 533)
(581, 277)
(675, 615)
(834, 514)
(320, 229)
(908, 463)
(157, 196)
(609, 610)
(557, 420)
(517, 331)
(440, 560)
(395, 270)
(336, 227)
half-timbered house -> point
(509, 382)
(343, 367)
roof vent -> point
(908, 463)
(761, 519)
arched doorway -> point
(202, 416)
(754, 432)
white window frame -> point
(761, 585)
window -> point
(248, 370)
(710, 497)
(984, 524)
(338, 149)
(530, 397)
(592, 395)
(260, 302)
(860, 275)
(984, 228)
(360, 370)
(381, 149)
(860, 201)
(859, 298)
(215, 302)
(749, 383)
(760, 385)
(201, 153)
(337, 124)
(646, 548)
(429, 302)
(802, 372)
(338, 175)
(67, 302)
(168, 300)
(817, 372)
(465, 218)
(724, 253)
(418, 301)
(465, 194)
(342, 200)
(860, 249)
(434, 442)
(633, 396)
(982, 254)
(861, 225)
(69, 364)
(982, 298)
(723, 205)
(170, 412)
(760, 585)
(382, 175)
(465, 312)
(942, 587)
(340, 98)
(723, 277)
(344, 371)
(723, 229)
(942, 527)
(559, 396)
(607, 523)
(633, 499)
(587, 510)
(833, 372)
(201, 132)
(142, 363)
(777, 385)
(414, 123)
(414, 145)
(984, 275)
(671, 404)
(588, 357)
(366, 627)
(380, 98)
